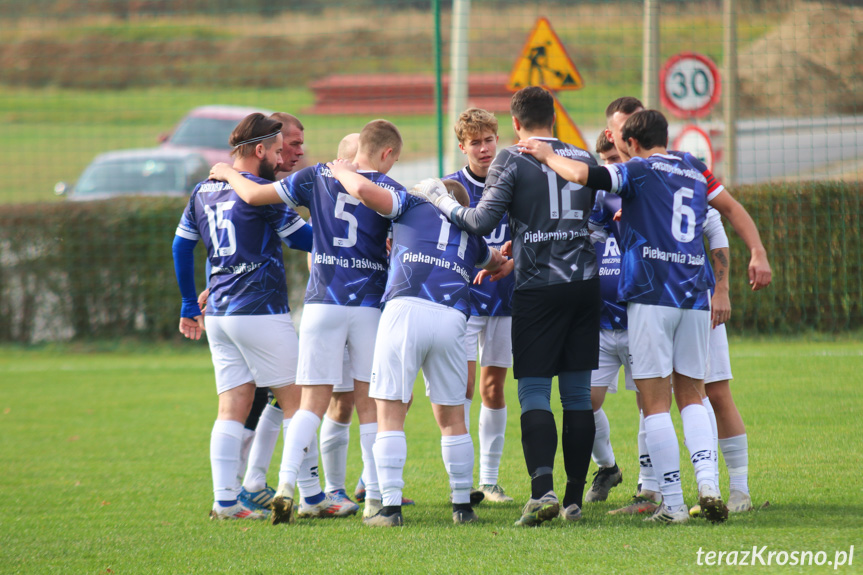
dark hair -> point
(648, 127)
(253, 126)
(626, 105)
(602, 143)
(533, 107)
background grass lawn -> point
(107, 471)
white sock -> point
(646, 475)
(308, 480)
(705, 401)
(335, 437)
(492, 429)
(698, 438)
(245, 447)
(390, 451)
(467, 404)
(368, 432)
(603, 454)
(266, 436)
(226, 439)
(457, 452)
(735, 450)
(298, 435)
(665, 454)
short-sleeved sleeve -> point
(188, 226)
(296, 189)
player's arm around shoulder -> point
(373, 196)
(252, 193)
(760, 273)
(567, 168)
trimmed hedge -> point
(104, 269)
(813, 237)
(83, 270)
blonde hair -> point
(457, 191)
(473, 122)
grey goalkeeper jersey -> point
(548, 217)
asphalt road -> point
(768, 150)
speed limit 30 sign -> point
(690, 85)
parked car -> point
(207, 129)
(149, 172)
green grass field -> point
(106, 453)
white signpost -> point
(694, 140)
(689, 85)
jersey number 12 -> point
(560, 205)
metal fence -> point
(765, 91)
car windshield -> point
(204, 133)
(133, 176)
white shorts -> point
(613, 354)
(347, 383)
(665, 339)
(325, 331)
(259, 348)
(718, 358)
(493, 335)
(417, 334)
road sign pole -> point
(438, 88)
(458, 78)
(650, 64)
(729, 17)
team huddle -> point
(583, 269)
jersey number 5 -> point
(218, 220)
(679, 211)
(560, 204)
(351, 240)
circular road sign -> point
(689, 85)
(694, 140)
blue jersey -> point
(349, 253)
(608, 256)
(244, 248)
(488, 298)
(665, 206)
(432, 259)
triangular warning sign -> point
(544, 62)
(565, 129)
